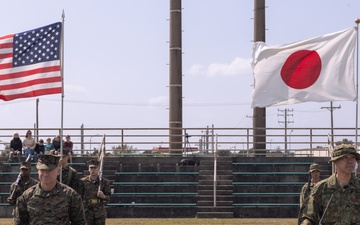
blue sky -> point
(116, 56)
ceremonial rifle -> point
(16, 183)
(101, 159)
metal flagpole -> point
(62, 89)
(357, 21)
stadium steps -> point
(221, 205)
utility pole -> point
(175, 74)
(259, 114)
(331, 109)
(286, 122)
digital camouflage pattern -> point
(304, 199)
(305, 193)
(343, 150)
(70, 177)
(94, 211)
(62, 205)
(314, 167)
(344, 207)
(20, 188)
(47, 162)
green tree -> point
(344, 141)
(118, 150)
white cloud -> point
(238, 67)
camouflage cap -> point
(47, 162)
(314, 167)
(93, 163)
(25, 165)
(343, 150)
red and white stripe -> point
(26, 81)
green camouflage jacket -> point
(88, 190)
(20, 188)
(344, 203)
(62, 205)
(70, 177)
(304, 194)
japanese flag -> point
(319, 69)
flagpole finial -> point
(357, 21)
(63, 14)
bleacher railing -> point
(196, 141)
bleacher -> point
(161, 187)
(271, 186)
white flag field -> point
(319, 69)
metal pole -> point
(82, 139)
(286, 130)
(332, 124)
(212, 137)
(357, 21)
(62, 87)
(215, 168)
(37, 120)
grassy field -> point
(187, 221)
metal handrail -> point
(235, 141)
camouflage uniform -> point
(305, 192)
(70, 177)
(331, 202)
(61, 205)
(344, 207)
(20, 187)
(95, 211)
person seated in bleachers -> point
(15, 147)
(29, 145)
(48, 146)
(40, 148)
(68, 146)
(56, 145)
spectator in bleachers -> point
(29, 145)
(56, 145)
(40, 148)
(48, 146)
(70, 176)
(24, 183)
(15, 147)
(335, 200)
(68, 145)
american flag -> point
(30, 63)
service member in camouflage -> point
(70, 176)
(314, 172)
(49, 202)
(94, 200)
(24, 183)
(336, 200)
(314, 177)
